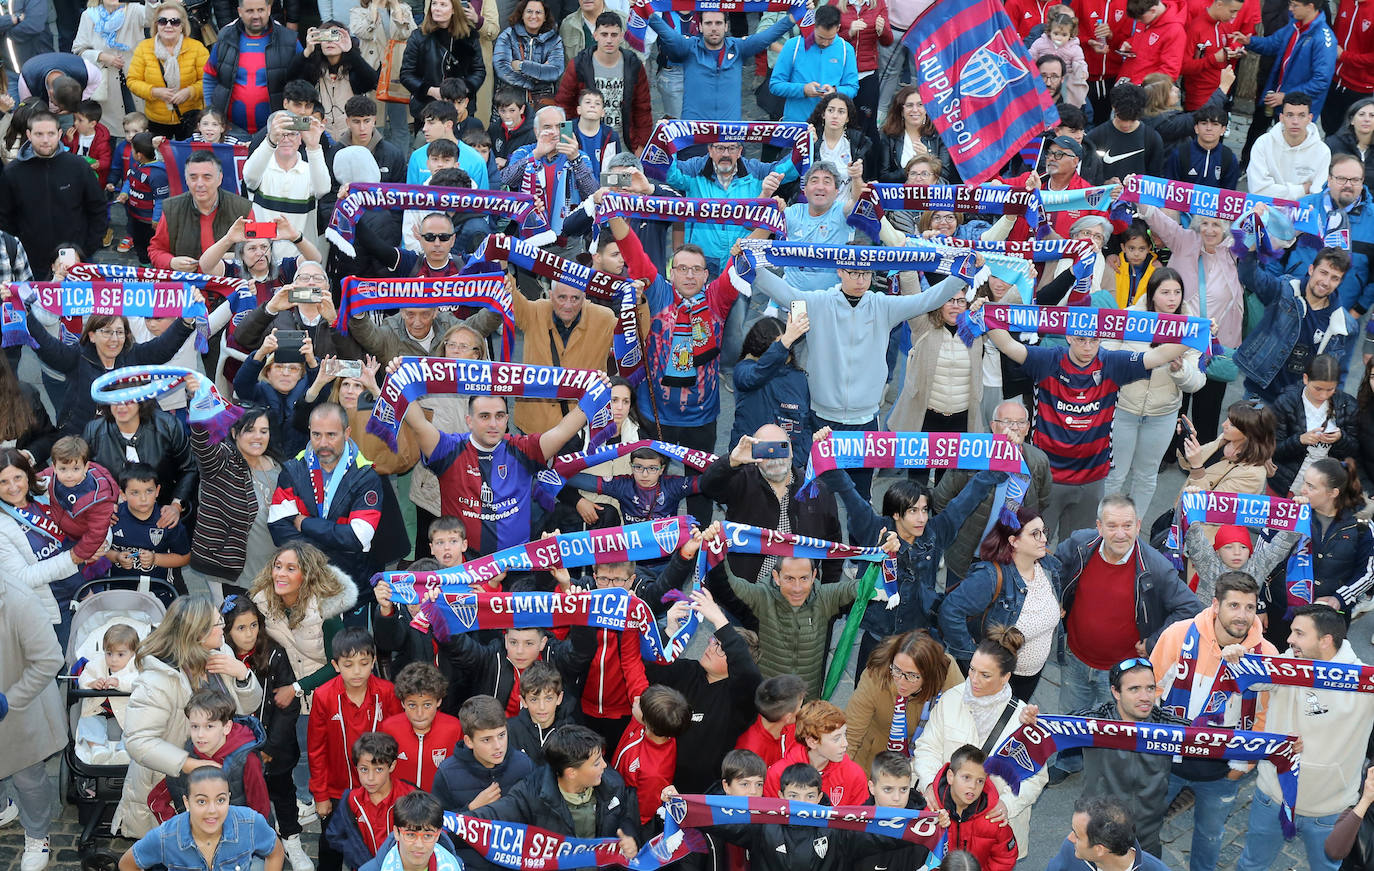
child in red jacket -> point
(616, 677)
(425, 736)
(360, 825)
(964, 796)
(778, 699)
(822, 744)
(84, 495)
(230, 742)
(341, 710)
(90, 139)
(647, 755)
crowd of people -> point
(283, 686)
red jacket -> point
(646, 766)
(1159, 47)
(374, 820)
(769, 749)
(1026, 15)
(865, 42)
(101, 153)
(87, 519)
(616, 676)
(1090, 12)
(636, 109)
(1205, 36)
(421, 755)
(993, 844)
(1061, 221)
(335, 723)
(842, 782)
(1355, 35)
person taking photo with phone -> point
(280, 183)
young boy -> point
(500, 664)
(417, 841)
(122, 157)
(137, 543)
(90, 139)
(616, 676)
(229, 741)
(741, 774)
(964, 797)
(1205, 159)
(646, 493)
(480, 140)
(440, 123)
(85, 495)
(426, 735)
(145, 187)
(102, 719)
(822, 744)
(541, 711)
(598, 141)
(441, 154)
(448, 543)
(454, 90)
(889, 780)
(363, 821)
(342, 709)
(778, 700)
(516, 130)
(647, 755)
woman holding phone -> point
(304, 305)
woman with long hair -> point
(376, 24)
(904, 676)
(155, 438)
(1315, 419)
(184, 653)
(837, 134)
(24, 422)
(906, 132)
(106, 36)
(166, 72)
(1014, 583)
(1241, 459)
(337, 69)
(528, 55)
(1357, 137)
(444, 46)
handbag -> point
(1222, 365)
(389, 87)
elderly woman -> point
(166, 71)
(184, 653)
(106, 36)
(155, 438)
(279, 182)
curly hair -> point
(318, 581)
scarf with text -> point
(620, 294)
(415, 377)
(523, 847)
(1028, 748)
(135, 299)
(640, 12)
(670, 137)
(690, 811)
(1126, 325)
(44, 536)
(988, 199)
(756, 214)
(1081, 251)
(880, 258)
(1208, 202)
(1252, 510)
(239, 293)
(743, 538)
(1211, 710)
(1089, 199)
(522, 208)
(323, 485)
(488, 290)
(551, 481)
(857, 449)
(1285, 671)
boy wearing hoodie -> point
(1289, 160)
(360, 826)
(965, 797)
(426, 736)
(230, 742)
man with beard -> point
(49, 196)
(713, 63)
(246, 74)
(1346, 206)
(1333, 727)
(1186, 660)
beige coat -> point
(588, 346)
(304, 645)
(1162, 393)
(156, 731)
(869, 714)
(909, 411)
(30, 659)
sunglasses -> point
(1126, 665)
(436, 237)
(169, 22)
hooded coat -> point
(30, 657)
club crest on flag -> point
(1018, 753)
(990, 69)
(465, 606)
(665, 533)
(1301, 590)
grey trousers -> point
(1072, 507)
(35, 794)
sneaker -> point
(36, 854)
(305, 812)
(1364, 606)
(109, 237)
(125, 245)
(296, 853)
(9, 814)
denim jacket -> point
(1269, 344)
(246, 837)
(973, 596)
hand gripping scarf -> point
(1081, 251)
(415, 377)
(1028, 748)
(1104, 323)
(1211, 704)
(551, 481)
(526, 211)
(1317, 674)
(137, 383)
(988, 199)
(877, 258)
(620, 294)
(135, 299)
(756, 214)
(218, 285)
(488, 290)
(1252, 511)
(1207, 202)
(669, 137)
(640, 11)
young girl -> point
(211, 128)
(1061, 40)
(1134, 265)
(279, 386)
(102, 718)
(280, 752)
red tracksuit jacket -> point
(1159, 47)
(1355, 35)
(335, 723)
(842, 782)
(421, 755)
(616, 675)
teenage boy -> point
(425, 734)
(225, 740)
(440, 121)
(741, 774)
(1205, 159)
(360, 827)
(822, 743)
(574, 794)
(597, 140)
(137, 542)
(647, 755)
(541, 710)
(342, 709)
(965, 798)
(417, 841)
(516, 129)
(889, 782)
(499, 664)
(778, 699)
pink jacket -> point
(1225, 296)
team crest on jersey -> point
(1097, 377)
(155, 535)
(990, 69)
(821, 845)
(665, 534)
(438, 756)
(465, 606)
(501, 471)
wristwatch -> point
(297, 687)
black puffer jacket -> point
(160, 442)
(224, 59)
(1289, 452)
(423, 67)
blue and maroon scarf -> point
(670, 137)
(525, 210)
(488, 290)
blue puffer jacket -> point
(1270, 343)
(773, 390)
(1357, 289)
(973, 597)
(542, 59)
(713, 77)
(1312, 65)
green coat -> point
(794, 640)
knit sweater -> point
(289, 192)
(228, 507)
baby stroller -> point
(94, 781)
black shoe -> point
(1059, 775)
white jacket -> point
(951, 727)
(1161, 393)
(18, 565)
(1278, 169)
(1334, 727)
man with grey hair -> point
(626, 169)
(1119, 595)
(554, 169)
(822, 219)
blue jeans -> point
(1265, 837)
(1083, 688)
(301, 773)
(1214, 801)
(669, 85)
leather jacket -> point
(160, 441)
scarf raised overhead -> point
(756, 214)
(669, 137)
(1208, 202)
(525, 210)
(135, 299)
(1127, 325)
(989, 199)
(913, 450)
(758, 253)
(488, 290)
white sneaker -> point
(305, 812)
(9, 814)
(296, 853)
(36, 854)
(1364, 606)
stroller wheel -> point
(99, 860)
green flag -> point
(851, 630)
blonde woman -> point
(166, 72)
(106, 37)
(184, 653)
(445, 46)
(374, 24)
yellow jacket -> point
(145, 73)
(1122, 288)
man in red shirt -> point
(194, 221)
(1062, 158)
(1158, 43)
(1210, 46)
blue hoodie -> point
(1312, 65)
(712, 80)
(799, 64)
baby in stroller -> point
(100, 730)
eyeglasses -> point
(959, 302)
(908, 676)
(169, 22)
(1343, 180)
(608, 580)
(436, 237)
(219, 624)
(1051, 77)
(636, 467)
(1012, 424)
(1038, 534)
(459, 347)
(231, 601)
(428, 836)
(690, 270)
(1058, 154)
(109, 333)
